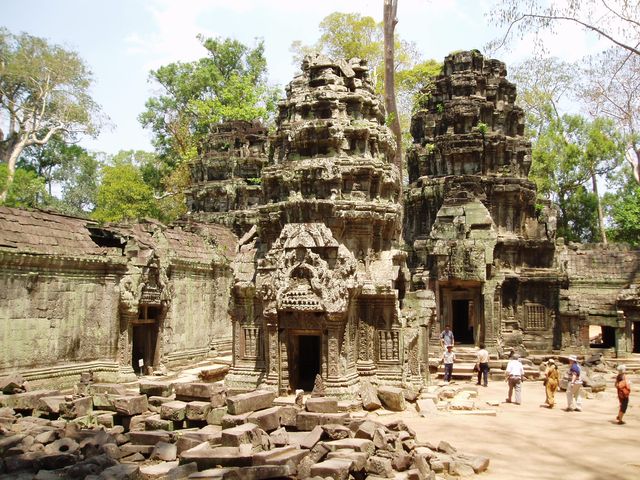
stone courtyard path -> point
(530, 442)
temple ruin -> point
(334, 275)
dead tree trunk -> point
(390, 21)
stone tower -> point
(225, 176)
(480, 242)
(319, 284)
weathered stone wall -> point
(57, 313)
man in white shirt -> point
(448, 358)
(515, 375)
(482, 364)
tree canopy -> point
(44, 91)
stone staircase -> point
(466, 361)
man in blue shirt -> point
(446, 337)
(574, 402)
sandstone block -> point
(279, 437)
(229, 421)
(161, 470)
(198, 410)
(377, 465)
(251, 401)
(306, 421)
(460, 469)
(207, 457)
(268, 419)
(77, 407)
(204, 392)
(120, 472)
(50, 404)
(288, 415)
(164, 451)
(154, 422)
(335, 468)
(26, 400)
(185, 443)
(131, 404)
(175, 411)
(369, 396)
(104, 401)
(357, 444)
(108, 388)
(149, 438)
(156, 389)
(287, 455)
(247, 433)
(322, 405)
(313, 437)
(358, 459)
(12, 383)
(392, 398)
(336, 432)
(215, 415)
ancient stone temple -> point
(319, 281)
(114, 300)
(479, 241)
(225, 176)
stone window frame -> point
(252, 339)
(536, 316)
(392, 341)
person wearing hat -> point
(448, 358)
(623, 386)
(514, 377)
(574, 402)
(551, 380)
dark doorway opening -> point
(308, 362)
(636, 337)
(145, 340)
(461, 326)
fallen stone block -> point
(50, 404)
(425, 406)
(251, 401)
(248, 433)
(154, 422)
(215, 393)
(336, 432)
(149, 438)
(131, 404)
(161, 470)
(460, 469)
(130, 449)
(478, 463)
(288, 415)
(306, 421)
(120, 472)
(175, 411)
(137, 422)
(377, 465)
(12, 383)
(186, 442)
(357, 444)
(229, 421)
(267, 419)
(215, 415)
(198, 410)
(261, 472)
(156, 389)
(279, 437)
(164, 451)
(369, 396)
(335, 468)
(26, 400)
(322, 405)
(213, 473)
(104, 401)
(358, 459)
(313, 437)
(207, 457)
(213, 374)
(77, 407)
(115, 389)
(63, 445)
(392, 398)
(287, 455)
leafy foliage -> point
(44, 91)
(227, 84)
(26, 190)
(624, 209)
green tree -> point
(229, 83)
(570, 153)
(26, 190)
(44, 91)
(123, 194)
(623, 208)
(78, 179)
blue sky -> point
(121, 40)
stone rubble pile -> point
(195, 430)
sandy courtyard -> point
(533, 442)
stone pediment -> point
(306, 270)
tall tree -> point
(26, 190)
(623, 208)
(44, 91)
(616, 21)
(229, 83)
(390, 13)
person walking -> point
(446, 337)
(482, 364)
(574, 402)
(623, 386)
(514, 376)
(448, 359)
(551, 380)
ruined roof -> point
(47, 233)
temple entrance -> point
(145, 340)
(636, 337)
(461, 307)
(461, 326)
(304, 361)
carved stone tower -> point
(479, 240)
(318, 283)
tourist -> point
(448, 358)
(623, 385)
(482, 364)
(574, 402)
(551, 380)
(446, 337)
(514, 376)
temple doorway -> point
(462, 327)
(304, 361)
(636, 337)
(145, 340)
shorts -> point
(624, 403)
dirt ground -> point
(530, 441)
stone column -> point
(272, 357)
(125, 345)
(489, 296)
